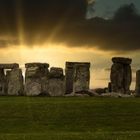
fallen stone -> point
(77, 95)
(99, 90)
(116, 95)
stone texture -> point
(56, 73)
(72, 73)
(36, 78)
(81, 78)
(122, 60)
(15, 82)
(116, 95)
(9, 66)
(3, 85)
(33, 87)
(121, 75)
(40, 65)
(56, 85)
(69, 72)
(137, 88)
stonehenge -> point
(121, 75)
(40, 80)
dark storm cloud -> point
(63, 21)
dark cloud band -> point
(63, 21)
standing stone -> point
(56, 85)
(121, 75)
(3, 87)
(69, 77)
(137, 89)
(77, 72)
(15, 82)
(35, 78)
(81, 78)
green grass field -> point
(42, 118)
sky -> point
(55, 31)
(106, 8)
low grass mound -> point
(73, 118)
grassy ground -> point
(42, 118)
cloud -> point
(40, 21)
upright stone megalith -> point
(137, 88)
(35, 78)
(15, 82)
(11, 81)
(121, 75)
(77, 77)
(3, 86)
(56, 86)
(81, 77)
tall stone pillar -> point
(77, 76)
(69, 73)
(121, 75)
(56, 85)
(35, 78)
(15, 82)
(137, 88)
(3, 86)
(81, 77)
(11, 83)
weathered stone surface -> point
(137, 88)
(81, 78)
(116, 95)
(121, 75)
(121, 60)
(42, 65)
(9, 66)
(33, 87)
(56, 85)
(56, 73)
(117, 78)
(36, 79)
(70, 70)
(127, 78)
(3, 87)
(15, 82)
